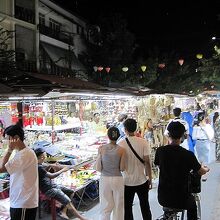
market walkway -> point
(210, 199)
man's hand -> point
(207, 168)
(66, 168)
(150, 184)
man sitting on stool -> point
(175, 164)
(53, 190)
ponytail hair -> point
(113, 133)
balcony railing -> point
(26, 66)
(25, 14)
(51, 68)
(58, 35)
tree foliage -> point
(7, 55)
(210, 71)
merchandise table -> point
(80, 191)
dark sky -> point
(186, 26)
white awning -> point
(62, 57)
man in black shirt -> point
(175, 164)
(60, 193)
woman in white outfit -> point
(203, 133)
(110, 163)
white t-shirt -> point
(179, 120)
(185, 142)
(135, 173)
(24, 185)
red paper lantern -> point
(100, 68)
(107, 69)
(161, 65)
(181, 61)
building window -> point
(41, 19)
(54, 25)
(83, 31)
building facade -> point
(46, 37)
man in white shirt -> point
(138, 175)
(23, 172)
(121, 120)
(177, 113)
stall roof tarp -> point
(60, 57)
(4, 88)
(39, 84)
(74, 84)
(68, 81)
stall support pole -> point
(20, 113)
(53, 112)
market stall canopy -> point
(71, 84)
(25, 85)
(4, 89)
(62, 57)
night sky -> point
(185, 26)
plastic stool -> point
(52, 202)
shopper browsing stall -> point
(203, 133)
(121, 120)
(23, 175)
(138, 173)
(110, 162)
(177, 114)
(60, 193)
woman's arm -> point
(122, 161)
(98, 163)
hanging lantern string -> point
(143, 67)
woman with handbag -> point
(203, 133)
(110, 163)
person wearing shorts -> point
(60, 193)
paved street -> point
(210, 199)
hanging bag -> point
(135, 153)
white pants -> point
(111, 194)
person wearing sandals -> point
(60, 193)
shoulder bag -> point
(135, 153)
(206, 135)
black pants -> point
(191, 208)
(142, 192)
(23, 214)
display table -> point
(49, 128)
(79, 184)
(80, 192)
